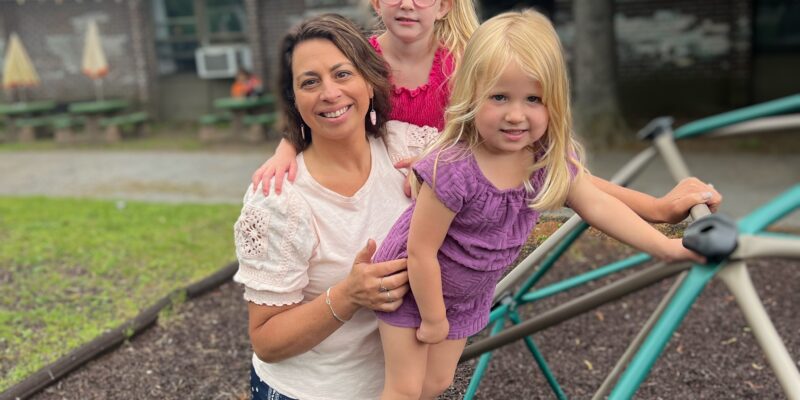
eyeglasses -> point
(417, 3)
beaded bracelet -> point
(328, 302)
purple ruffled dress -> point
(486, 236)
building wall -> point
(185, 96)
(670, 51)
(275, 17)
(53, 33)
(673, 56)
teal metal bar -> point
(498, 313)
(480, 368)
(570, 283)
(774, 107)
(767, 214)
(540, 361)
(657, 340)
(551, 259)
(691, 288)
(545, 266)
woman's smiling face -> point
(329, 92)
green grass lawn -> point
(72, 268)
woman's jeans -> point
(259, 390)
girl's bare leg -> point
(442, 362)
(406, 358)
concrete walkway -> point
(746, 180)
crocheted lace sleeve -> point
(275, 237)
(404, 140)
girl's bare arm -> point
(671, 208)
(284, 160)
(613, 217)
(429, 226)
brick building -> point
(53, 33)
(700, 57)
(673, 56)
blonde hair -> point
(454, 30)
(528, 39)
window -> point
(181, 26)
(226, 21)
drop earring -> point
(303, 131)
(373, 116)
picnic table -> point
(239, 107)
(94, 111)
(28, 109)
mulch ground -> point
(202, 351)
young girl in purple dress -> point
(506, 153)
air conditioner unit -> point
(222, 61)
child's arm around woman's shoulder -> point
(613, 217)
(284, 160)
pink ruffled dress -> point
(424, 105)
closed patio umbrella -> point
(94, 63)
(18, 71)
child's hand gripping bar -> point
(713, 236)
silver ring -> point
(388, 297)
(383, 288)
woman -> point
(311, 319)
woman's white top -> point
(291, 247)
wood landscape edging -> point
(73, 360)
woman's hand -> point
(379, 286)
(433, 332)
(674, 206)
(285, 159)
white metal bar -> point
(736, 277)
(751, 246)
(760, 125)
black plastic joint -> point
(715, 237)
